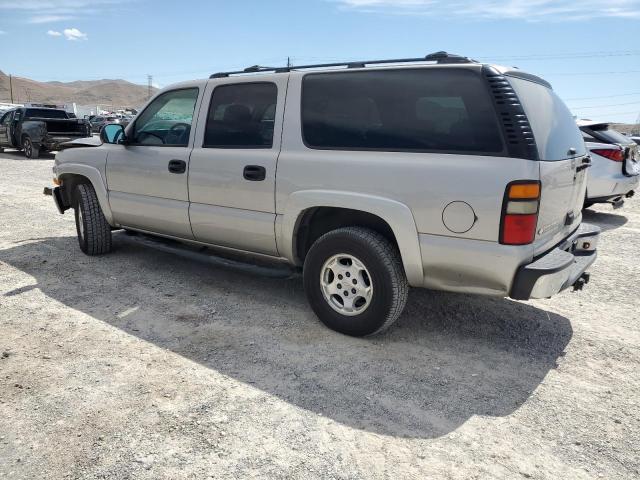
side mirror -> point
(112, 133)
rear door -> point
(233, 164)
(562, 152)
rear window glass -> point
(553, 125)
(45, 113)
(425, 110)
(608, 135)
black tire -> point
(382, 261)
(94, 232)
(30, 149)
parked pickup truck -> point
(35, 130)
(437, 172)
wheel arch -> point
(71, 175)
(335, 209)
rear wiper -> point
(586, 163)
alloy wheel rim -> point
(346, 284)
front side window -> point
(425, 110)
(241, 116)
(167, 120)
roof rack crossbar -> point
(438, 57)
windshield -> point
(45, 113)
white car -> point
(615, 164)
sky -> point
(589, 50)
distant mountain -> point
(94, 92)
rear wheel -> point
(94, 232)
(354, 281)
(30, 149)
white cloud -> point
(529, 10)
(47, 11)
(74, 34)
(37, 19)
(54, 33)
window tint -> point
(587, 137)
(553, 125)
(440, 110)
(45, 113)
(167, 120)
(608, 135)
(241, 116)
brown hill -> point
(96, 92)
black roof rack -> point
(438, 57)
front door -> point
(233, 164)
(147, 177)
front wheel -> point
(30, 149)
(354, 281)
(94, 232)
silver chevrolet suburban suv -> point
(437, 172)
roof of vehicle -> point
(433, 59)
(591, 123)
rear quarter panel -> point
(425, 182)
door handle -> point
(254, 173)
(177, 166)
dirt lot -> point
(141, 364)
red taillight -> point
(519, 229)
(615, 154)
(520, 212)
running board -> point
(243, 262)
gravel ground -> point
(145, 365)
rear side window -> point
(423, 110)
(241, 116)
(553, 125)
(45, 113)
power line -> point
(594, 73)
(603, 96)
(564, 56)
(606, 114)
(605, 106)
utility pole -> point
(11, 87)
(149, 85)
(289, 62)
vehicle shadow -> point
(19, 155)
(448, 358)
(605, 220)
